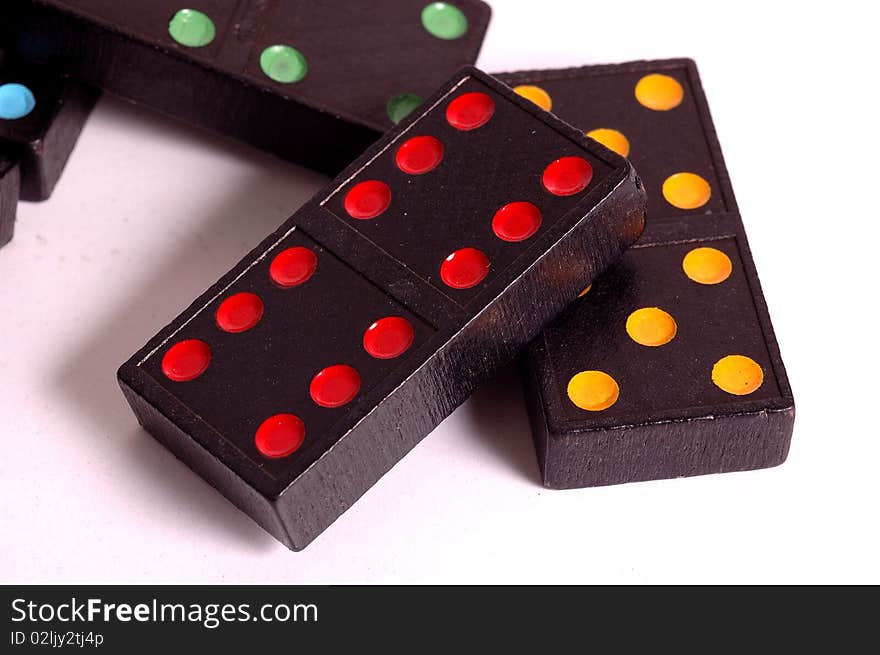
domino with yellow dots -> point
(667, 366)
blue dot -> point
(16, 101)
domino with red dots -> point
(313, 82)
(326, 354)
(668, 365)
(41, 116)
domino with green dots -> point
(313, 82)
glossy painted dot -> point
(707, 265)
(367, 199)
(293, 266)
(400, 106)
(283, 64)
(516, 221)
(651, 326)
(335, 386)
(239, 312)
(536, 94)
(388, 337)
(470, 111)
(659, 92)
(186, 360)
(611, 139)
(737, 374)
(444, 21)
(686, 191)
(280, 435)
(567, 176)
(16, 101)
(192, 28)
(419, 155)
(593, 390)
(464, 268)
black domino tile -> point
(359, 57)
(9, 193)
(40, 122)
(368, 269)
(670, 419)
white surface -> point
(150, 213)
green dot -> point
(400, 106)
(445, 21)
(192, 28)
(283, 64)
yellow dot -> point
(536, 94)
(737, 374)
(585, 291)
(659, 92)
(686, 191)
(593, 390)
(651, 326)
(611, 139)
(707, 265)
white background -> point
(149, 213)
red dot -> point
(367, 199)
(280, 435)
(567, 176)
(470, 111)
(335, 386)
(516, 221)
(293, 266)
(186, 360)
(419, 154)
(388, 337)
(239, 312)
(464, 268)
